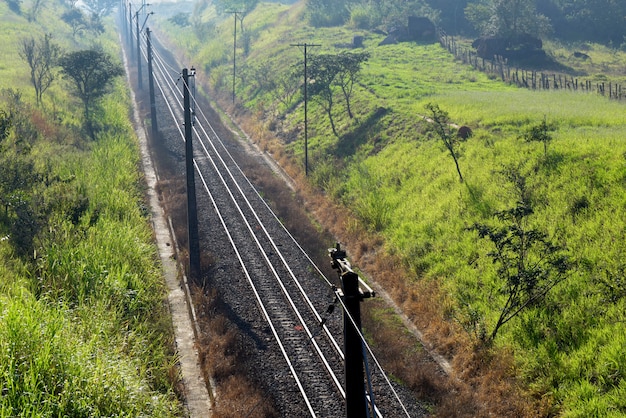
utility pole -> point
(234, 51)
(153, 116)
(306, 99)
(139, 77)
(138, 50)
(122, 17)
(356, 405)
(192, 210)
(130, 30)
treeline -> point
(568, 20)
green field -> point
(399, 181)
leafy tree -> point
(529, 264)
(95, 25)
(91, 72)
(15, 6)
(41, 56)
(539, 133)
(350, 67)
(322, 72)
(507, 18)
(448, 134)
(452, 17)
(18, 176)
(80, 22)
(76, 19)
(593, 20)
(24, 133)
(180, 19)
(328, 71)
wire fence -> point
(530, 79)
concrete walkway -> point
(197, 399)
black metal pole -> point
(234, 53)
(153, 116)
(192, 212)
(139, 82)
(352, 295)
(355, 384)
(234, 56)
(306, 113)
(306, 119)
(130, 30)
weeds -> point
(83, 330)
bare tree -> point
(42, 56)
(35, 9)
(448, 135)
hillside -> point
(84, 330)
(390, 171)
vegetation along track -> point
(271, 287)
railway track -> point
(313, 358)
(271, 285)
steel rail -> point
(268, 262)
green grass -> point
(84, 327)
(401, 182)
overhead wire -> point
(371, 353)
(337, 383)
(162, 63)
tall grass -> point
(84, 328)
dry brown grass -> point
(220, 352)
(221, 356)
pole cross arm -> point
(338, 262)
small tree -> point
(41, 56)
(322, 72)
(350, 67)
(91, 72)
(528, 263)
(448, 134)
(328, 71)
(76, 19)
(540, 133)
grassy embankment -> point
(400, 184)
(85, 329)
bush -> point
(326, 13)
(361, 16)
